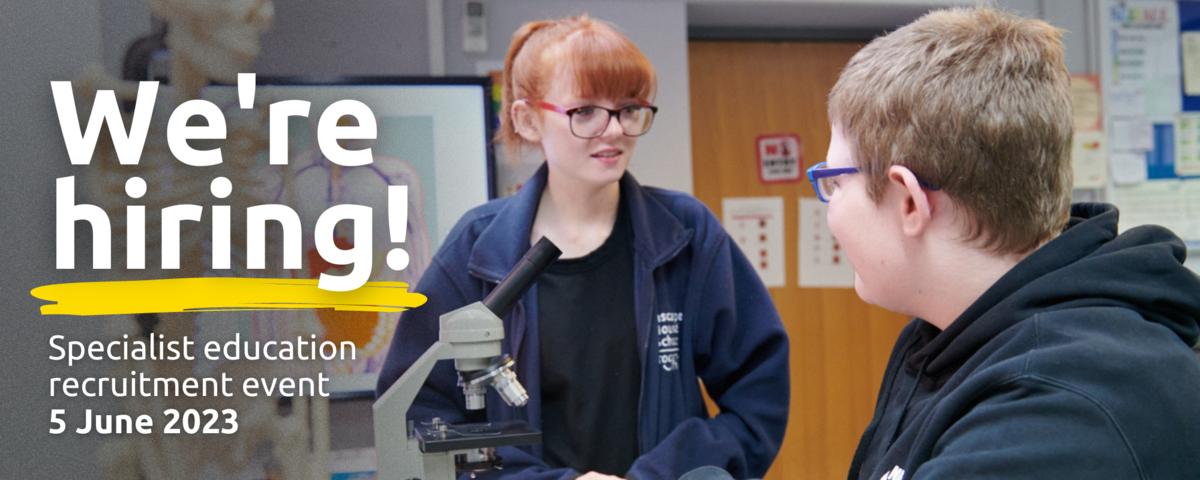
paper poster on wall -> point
(823, 263)
(1085, 100)
(1190, 192)
(1132, 134)
(756, 224)
(1190, 53)
(1187, 144)
(1142, 58)
(1089, 160)
(1128, 167)
(780, 158)
(1169, 203)
(1089, 151)
(1128, 102)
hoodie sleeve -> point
(741, 355)
(1032, 428)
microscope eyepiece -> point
(521, 277)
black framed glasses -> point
(589, 121)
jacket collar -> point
(658, 235)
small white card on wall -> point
(1089, 158)
(1187, 143)
(756, 225)
(823, 263)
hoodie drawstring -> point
(907, 400)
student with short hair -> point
(1045, 344)
(650, 297)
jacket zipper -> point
(642, 383)
(646, 347)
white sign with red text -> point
(780, 158)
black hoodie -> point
(1075, 364)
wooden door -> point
(839, 345)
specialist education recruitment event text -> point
(348, 292)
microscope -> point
(471, 337)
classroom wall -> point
(1076, 18)
(364, 37)
(343, 37)
(346, 37)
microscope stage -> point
(469, 436)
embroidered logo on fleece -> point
(897, 473)
(668, 339)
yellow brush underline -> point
(217, 294)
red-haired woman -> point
(650, 294)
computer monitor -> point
(434, 135)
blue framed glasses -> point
(822, 180)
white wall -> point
(664, 156)
(334, 38)
(1075, 17)
(365, 37)
(346, 37)
(42, 42)
(121, 22)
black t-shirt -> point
(590, 371)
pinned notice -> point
(1085, 97)
(756, 224)
(823, 263)
(1090, 160)
(780, 158)
(1187, 144)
